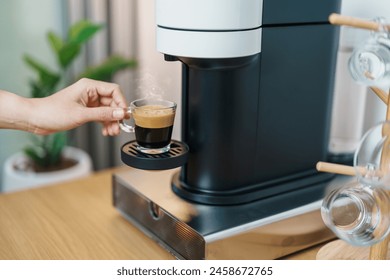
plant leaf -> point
(108, 68)
(67, 54)
(37, 90)
(55, 41)
(57, 145)
(36, 139)
(47, 78)
(78, 34)
(35, 155)
(82, 31)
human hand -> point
(84, 101)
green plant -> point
(45, 151)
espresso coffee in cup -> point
(153, 126)
(153, 120)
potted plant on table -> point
(48, 159)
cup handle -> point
(124, 126)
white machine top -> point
(209, 28)
(209, 14)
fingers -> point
(110, 129)
(101, 102)
(105, 131)
(103, 114)
(108, 92)
(108, 116)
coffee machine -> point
(257, 83)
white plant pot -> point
(15, 180)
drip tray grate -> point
(177, 156)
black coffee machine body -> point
(257, 83)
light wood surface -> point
(76, 220)
(340, 250)
(380, 251)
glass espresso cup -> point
(153, 119)
(369, 63)
(372, 157)
(357, 213)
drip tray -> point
(176, 157)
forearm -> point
(14, 111)
(84, 101)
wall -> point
(23, 24)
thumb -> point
(104, 114)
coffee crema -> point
(153, 116)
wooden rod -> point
(380, 93)
(335, 168)
(338, 19)
(387, 119)
(379, 250)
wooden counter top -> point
(76, 220)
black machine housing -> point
(257, 125)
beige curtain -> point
(118, 36)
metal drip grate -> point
(177, 156)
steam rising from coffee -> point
(148, 87)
